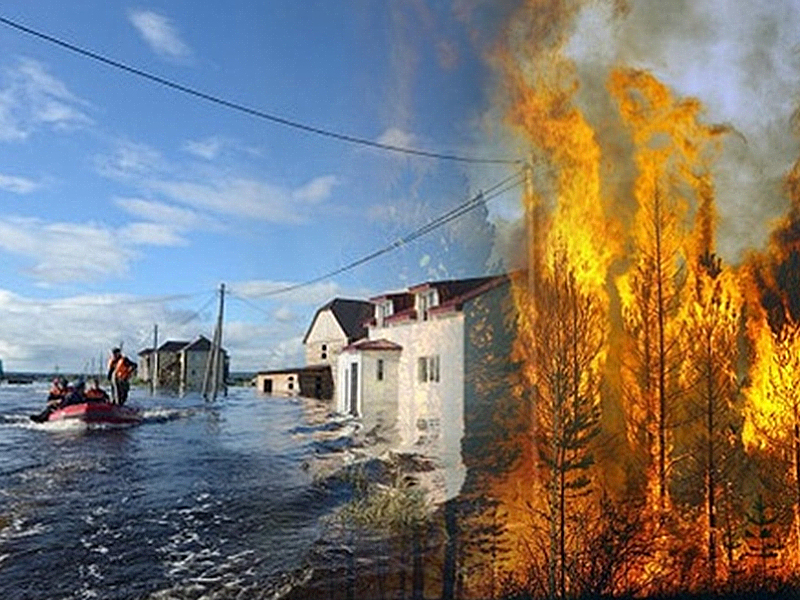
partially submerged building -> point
(180, 365)
(335, 325)
(411, 379)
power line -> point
(246, 109)
(472, 203)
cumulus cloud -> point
(159, 212)
(395, 136)
(159, 33)
(63, 252)
(32, 99)
(131, 161)
(248, 198)
(208, 148)
(313, 295)
(152, 234)
(17, 185)
(316, 190)
(72, 332)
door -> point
(267, 386)
(353, 389)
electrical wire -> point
(344, 137)
(472, 203)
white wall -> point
(431, 412)
(325, 330)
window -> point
(425, 301)
(428, 368)
(324, 353)
(384, 310)
(379, 372)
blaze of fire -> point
(666, 276)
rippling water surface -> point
(201, 499)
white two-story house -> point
(406, 380)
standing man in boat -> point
(120, 370)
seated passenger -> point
(55, 399)
(95, 393)
(58, 390)
(75, 394)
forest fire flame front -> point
(656, 414)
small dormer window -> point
(383, 311)
(425, 301)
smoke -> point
(740, 62)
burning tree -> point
(668, 142)
(711, 317)
(564, 376)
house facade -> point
(179, 365)
(407, 379)
(310, 382)
(335, 325)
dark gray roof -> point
(351, 315)
(201, 343)
(172, 346)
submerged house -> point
(180, 365)
(411, 380)
(335, 325)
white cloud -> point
(152, 234)
(31, 98)
(17, 185)
(131, 161)
(285, 314)
(74, 332)
(208, 148)
(159, 33)
(397, 137)
(316, 190)
(314, 295)
(63, 252)
(248, 198)
(165, 214)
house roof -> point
(453, 288)
(468, 293)
(374, 345)
(172, 346)
(202, 344)
(350, 314)
(297, 370)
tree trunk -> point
(450, 549)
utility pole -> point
(154, 362)
(213, 374)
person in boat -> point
(120, 371)
(55, 398)
(95, 393)
(58, 390)
(75, 395)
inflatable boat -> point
(96, 412)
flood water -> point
(200, 500)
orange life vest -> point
(123, 368)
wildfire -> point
(706, 355)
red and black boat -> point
(96, 412)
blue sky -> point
(124, 204)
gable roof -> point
(172, 346)
(381, 344)
(350, 314)
(453, 288)
(202, 343)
